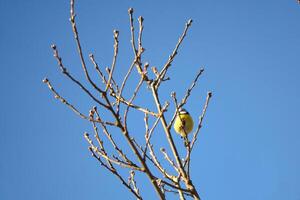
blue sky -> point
(249, 145)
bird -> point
(184, 123)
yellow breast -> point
(183, 124)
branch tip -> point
(173, 94)
(130, 10)
(116, 33)
(53, 46)
(209, 94)
(141, 19)
(86, 135)
(146, 65)
(45, 80)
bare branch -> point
(135, 51)
(187, 159)
(183, 173)
(131, 99)
(116, 47)
(186, 96)
(149, 132)
(103, 154)
(63, 100)
(110, 138)
(141, 20)
(113, 93)
(153, 158)
(188, 92)
(114, 171)
(168, 134)
(172, 56)
(123, 85)
(65, 72)
(79, 48)
(130, 12)
(169, 159)
(158, 165)
(175, 187)
(133, 182)
(102, 76)
(114, 83)
(208, 97)
(181, 193)
(136, 107)
(177, 192)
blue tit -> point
(183, 123)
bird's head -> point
(182, 111)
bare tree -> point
(110, 98)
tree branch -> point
(172, 56)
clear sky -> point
(249, 146)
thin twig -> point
(184, 175)
(148, 134)
(133, 182)
(141, 20)
(79, 48)
(177, 192)
(143, 151)
(110, 138)
(123, 85)
(116, 48)
(180, 192)
(186, 96)
(158, 165)
(130, 12)
(153, 158)
(146, 120)
(74, 28)
(175, 187)
(187, 159)
(168, 134)
(114, 83)
(136, 107)
(63, 100)
(114, 171)
(70, 106)
(135, 51)
(104, 155)
(208, 97)
(169, 159)
(102, 76)
(172, 56)
(126, 78)
(131, 100)
(65, 72)
(188, 92)
(113, 93)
